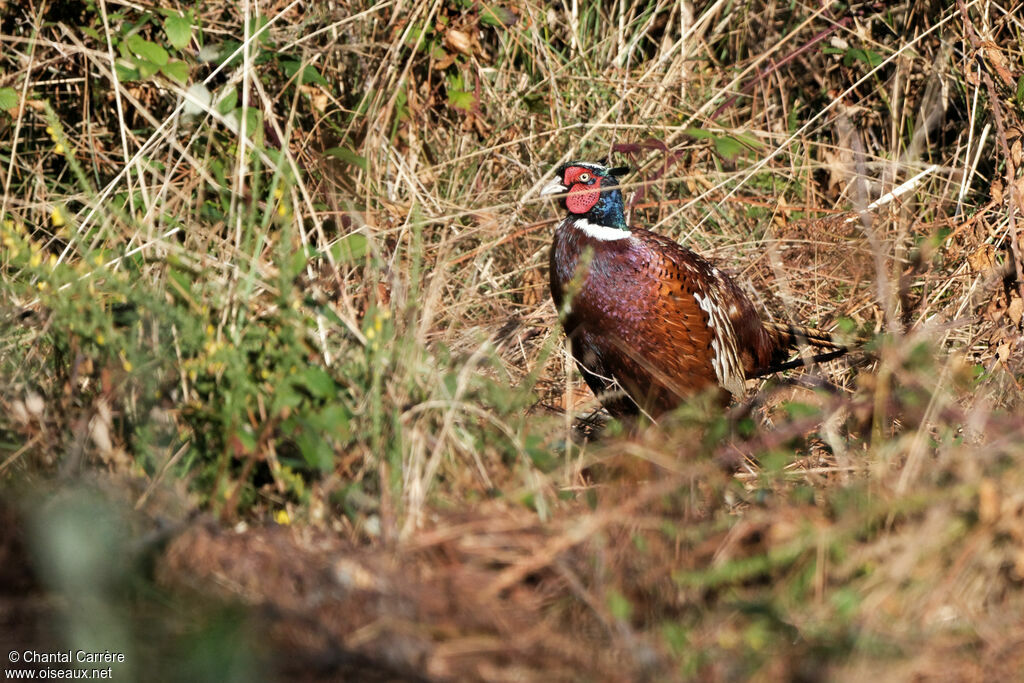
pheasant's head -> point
(593, 192)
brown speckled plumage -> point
(650, 322)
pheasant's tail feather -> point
(797, 363)
(785, 336)
(788, 336)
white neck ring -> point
(601, 232)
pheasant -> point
(651, 323)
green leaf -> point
(731, 146)
(619, 605)
(228, 102)
(846, 325)
(335, 418)
(316, 451)
(253, 120)
(294, 264)
(310, 74)
(253, 123)
(264, 37)
(728, 147)
(285, 396)
(541, 456)
(499, 17)
(675, 636)
(460, 99)
(348, 156)
(178, 30)
(318, 383)
(870, 58)
(536, 104)
(177, 71)
(797, 409)
(149, 51)
(413, 36)
(146, 68)
(126, 73)
(350, 248)
(8, 98)
(846, 601)
(180, 285)
(699, 133)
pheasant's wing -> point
(694, 326)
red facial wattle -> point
(582, 197)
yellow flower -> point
(42, 286)
(100, 339)
(58, 148)
(35, 259)
(282, 518)
(57, 217)
(278, 193)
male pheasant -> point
(652, 323)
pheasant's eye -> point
(583, 178)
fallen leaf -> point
(460, 41)
(1018, 190)
(982, 259)
(1015, 310)
(999, 63)
(317, 97)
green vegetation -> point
(281, 269)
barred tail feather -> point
(785, 337)
(797, 363)
(788, 336)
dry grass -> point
(330, 310)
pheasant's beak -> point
(554, 187)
